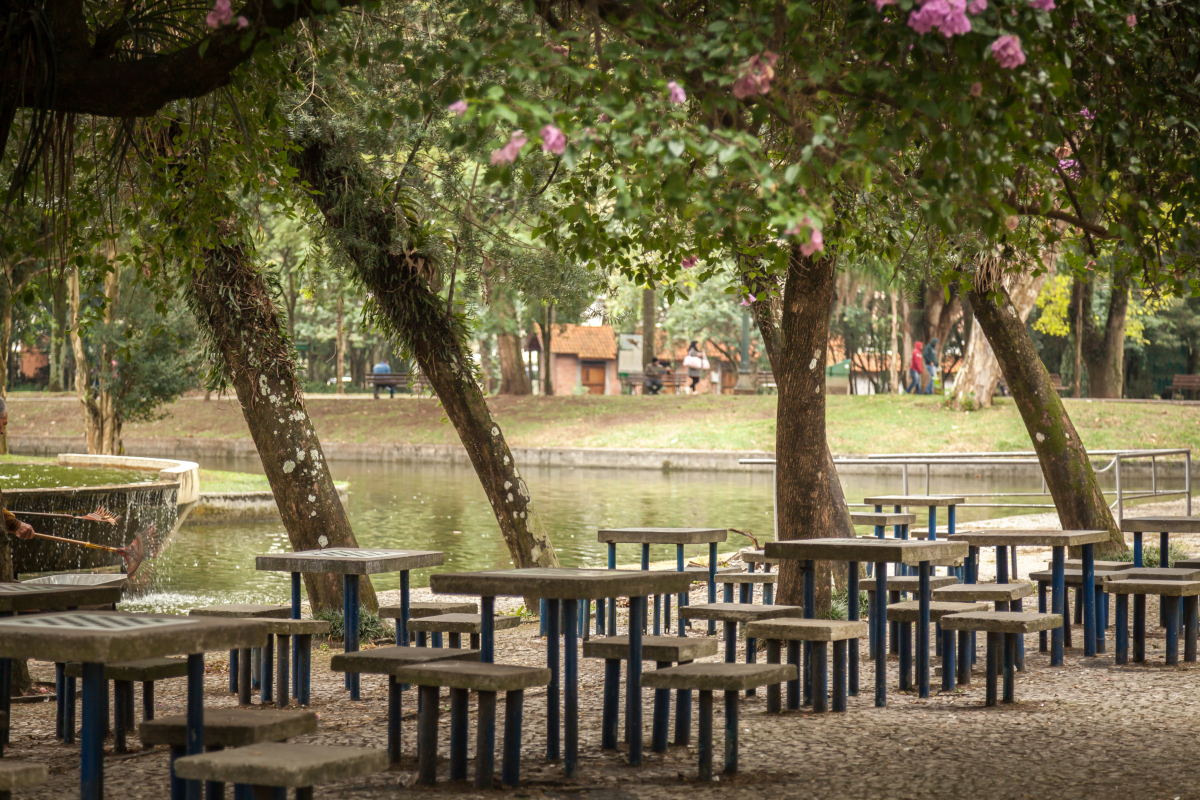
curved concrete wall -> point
(185, 473)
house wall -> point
(612, 380)
(566, 373)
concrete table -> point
(96, 638)
(676, 536)
(569, 586)
(931, 501)
(350, 563)
(1164, 526)
(1058, 542)
(879, 552)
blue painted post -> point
(683, 596)
(948, 661)
(59, 700)
(612, 607)
(1001, 564)
(1137, 548)
(878, 619)
(793, 686)
(612, 704)
(487, 630)
(852, 612)
(1058, 592)
(349, 634)
(1010, 667)
(1043, 637)
(1101, 617)
(552, 701)
(747, 591)
(683, 714)
(514, 707)
(933, 523)
(305, 645)
(774, 690)
(1089, 601)
(1122, 656)
(1171, 611)
(295, 642)
(91, 755)
(904, 634)
(402, 621)
(633, 680)
(810, 612)
(69, 711)
(1191, 627)
(485, 740)
(712, 583)
(195, 715)
(1139, 628)
(727, 592)
(1164, 549)
(731, 733)
(964, 663)
(839, 675)
(427, 735)
(600, 619)
(993, 666)
(458, 734)
(820, 676)
(705, 735)
(923, 597)
(571, 688)
(657, 607)
(730, 642)
(661, 723)
(542, 617)
(233, 671)
(395, 713)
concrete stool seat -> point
(665, 651)
(487, 680)
(728, 678)
(1188, 563)
(1186, 591)
(1106, 566)
(1157, 574)
(1002, 628)
(988, 592)
(882, 518)
(16, 775)
(757, 557)
(820, 632)
(700, 574)
(244, 611)
(747, 577)
(458, 624)
(267, 766)
(123, 675)
(225, 728)
(430, 608)
(739, 612)
(905, 616)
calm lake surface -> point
(438, 507)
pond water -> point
(439, 507)
(52, 476)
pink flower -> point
(1131, 20)
(553, 140)
(880, 5)
(756, 75)
(688, 263)
(557, 48)
(1012, 222)
(243, 23)
(458, 107)
(745, 302)
(221, 14)
(947, 16)
(1007, 52)
(977, 7)
(1086, 114)
(1042, 5)
(676, 94)
(976, 89)
(510, 151)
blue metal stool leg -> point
(705, 735)
(458, 734)
(510, 771)
(612, 703)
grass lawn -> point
(857, 425)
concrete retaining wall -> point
(228, 507)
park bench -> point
(123, 675)
(665, 651)
(728, 678)
(426, 609)
(906, 616)
(458, 624)
(765, 381)
(414, 381)
(675, 381)
(16, 775)
(1185, 385)
(486, 680)
(387, 661)
(820, 632)
(225, 728)
(1186, 590)
(270, 769)
(243, 611)
(1003, 629)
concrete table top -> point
(231, 727)
(662, 535)
(891, 551)
(350, 561)
(1161, 525)
(107, 636)
(807, 630)
(746, 577)
(1158, 574)
(296, 627)
(910, 610)
(1073, 577)
(460, 623)
(1004, 538)
(290, 765)
(719, 677)
(561, 583)
(921, 500)
(429, 609)
(1002, 621)
(474, 675)
(871, 518)
(1108, 566)
(43, 596)
(1165, 588)
(991, 592)
(738, 612)
(386, 660)
(654, 648)
(910, 583)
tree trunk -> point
(649, 340)
(1081, 303)
(513, 379)
(6, 297)
(896, 362)
(979, 374)
(58, 332)
(547, 359)
(101, 415)
(233, 305)
(811, 503)
(367, 231)
(1106, 361)
(1065, 465)
(341, 345)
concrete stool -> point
(1176, 573)
(419, 611)
(123, 675)
(283, 630)
(1187, 563)
(243, 611)
(898, 587)
(820, 632)
(665, 651)
(906, 615)
(1002, 628)
(269, 769)
(1167, 591)
(728, 678)
(733, 613)
(756, 557)
(699, 575)
(1106, 566)
(16, 775)
(458, 624)
(1073, 579)
(1005, 596)
(485, 679)
(746, 581)
(387, 661)
(224, 728)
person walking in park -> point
(930, 355)
(383, 368)
(914, 370)
(695, 362)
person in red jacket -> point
(915, 368)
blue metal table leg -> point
(852, 613)
(657, 606)
(612, 704)
(612, 606)
(793, 686)
(487, 630)
(1139, 628)
(1058, 592)
(933, 523)
(1171, 610)
(1137, 549)
(1044, 636)
(660, 724)
(485, 740)
(731, 733)
(195, 715)
(948, 660)
(395, 714)
(405, 606)
(683, 596)
(571, 689)
(91, 755)
(1089, 601)
(552, 691)
(705, 735)
(923, 570)
(712, 583)
(458, 734)
(633, 680)
(1122, 655)
(350, 627)
(514, 706)
(1164, 549)
(810, 612)
(879, 620)
(295, 640)
(683, 714)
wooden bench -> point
(1002, 628)
(728, 678)
(414, 381)
(269, 766)
(123, 675)
(820, 632)
(765, 381)
(426, 609)
(1188, 592)
(674, 381)
(1184, 384)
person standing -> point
(930, 356)
(653, 383)
(12, 525)
(914, 370)
(696, 362)
(383, 368)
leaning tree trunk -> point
(233, 305)
(1106, 364)
(976, 383)
(808, 494)
(100, 413)
(368, 230)
(649, 326)
(1065, 465)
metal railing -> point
(1116, 458)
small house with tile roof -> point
(582, 358)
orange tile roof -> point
(597, 342)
